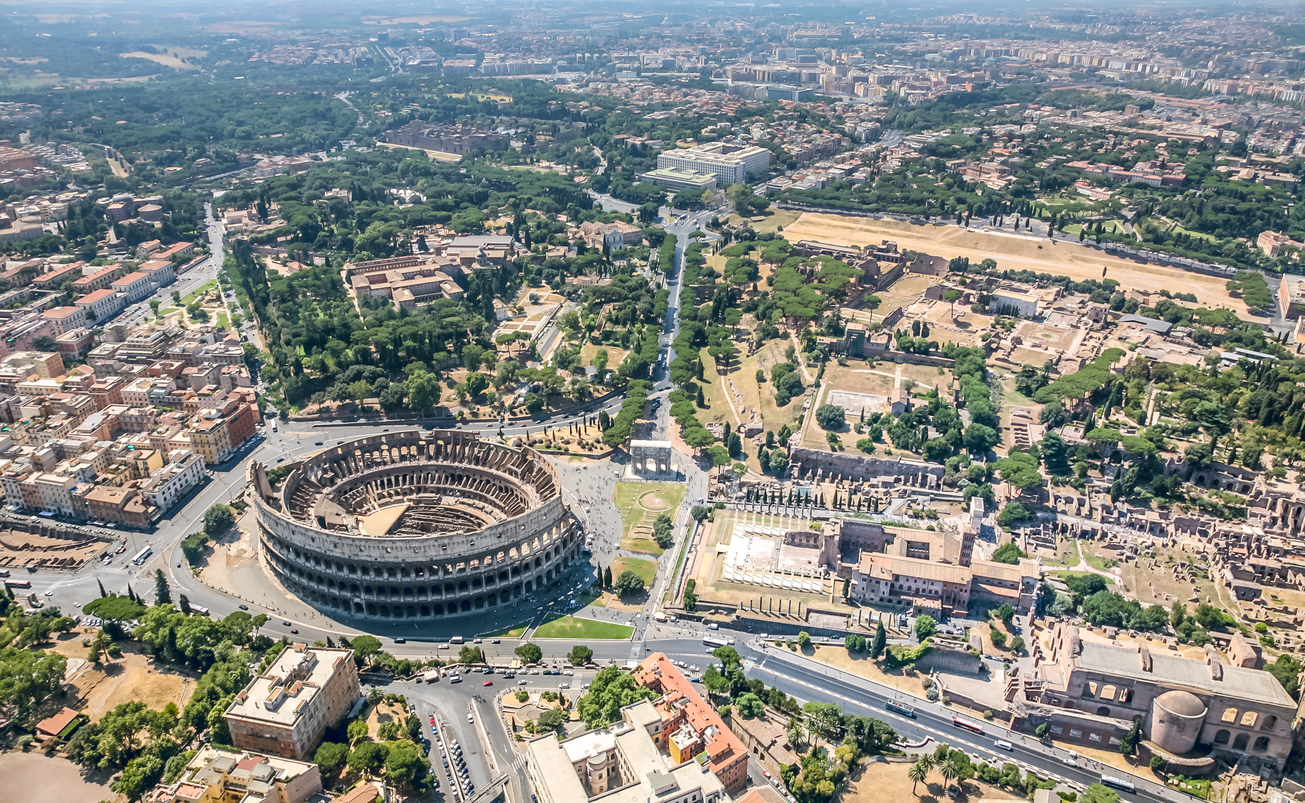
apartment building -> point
(620, 764)
(285, 710)
(217, 776)
(690, 726)
(168, 484)
(612, 236)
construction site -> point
(48, 545)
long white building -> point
(730, 164)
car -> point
(432, 720)
(400, 640)
(49, 593)
(287, 624)
(522, 682)
(244, 607)
(294, 631)
(534, 671)
(567, 672)
(496, 641)
(471, 719)
(317, 443)
(488, 683)
(766, 774)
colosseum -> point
(414, 525)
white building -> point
(185, 470)
(1017, 302)
(730, 164)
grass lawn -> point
(1197, 787)
(515, 631)
(223, 321)
(197, 292)
(577, 628)
(641, 503)
(646, 569)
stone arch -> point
(1261, 744)
(1229, 715)
(1103, 711)
(1222, 737)
(1269, 722)
(1240, 742)
(1248, 719)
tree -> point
(925, 626)
(364, 647)
(750, 706)
(407, 768)
(162, 595)
(880, 641)
(580, 655)
(471, 655)
(551, 719)
(951, 297)
(830, 417)
(27, 678)
(218, 519)
(530, 653)
(916, 773)
(607, 577)
(424, 390)
(628, 584)
(1008, 553)
(356, 730)
(367, 758)
(804, 639)
(1128, 745)
(330, 759)
(610, 691)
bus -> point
(456, 640)
(1118, 783)
(714, 641)
(901, 708)
(18, 584)
(199, 610)
(142, 556)
(968, 725)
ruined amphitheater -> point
(414, 525)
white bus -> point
(142, 556)
(199, 610)
(713, 641)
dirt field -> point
(131, 677)
(1012, 252)
(20, 549)
(55, 778)
(167, 60)
(881, 779)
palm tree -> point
(100, 646)
(794, 730)
(915, 774)
(949, 771)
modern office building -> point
(730, 164)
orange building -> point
(690, 725)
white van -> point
(1004, 745)
(713, 626)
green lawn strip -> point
(574, 627)
(646, 569)
(190, 297)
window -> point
(1094, 737)
(1229, 715)
(1090, 690)
(1108, 692)
(1261, 744)
(1057, 729)
(1075, 733)
(1248, 719)
(1270, 722)
(1240, 742)
(1103, 711)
